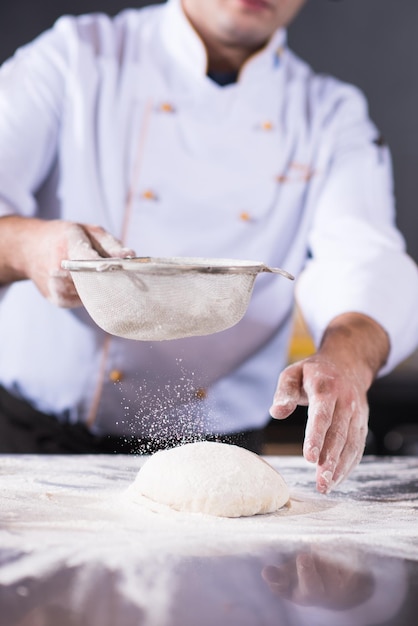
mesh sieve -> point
(153, 299)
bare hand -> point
(334, 384)
(42, 246)
(337, 416)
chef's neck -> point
(227, 58)
(225, 52)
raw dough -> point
(213, 478)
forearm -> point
(17, 235)
(357, 342)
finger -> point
(289, 392)
(277, 580)
(80, 245)
(320, 414)
(310, 587)
(105, 244)
(334, 444)
(353, 450)
(61, 290)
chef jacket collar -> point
(185, 46)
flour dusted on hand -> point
(212, 478)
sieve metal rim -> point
(171, 265)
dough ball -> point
(212, 478)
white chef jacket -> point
(281, 167)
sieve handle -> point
(277, 270)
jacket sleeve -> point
(358, 260)
(32, 90)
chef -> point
(191, 129)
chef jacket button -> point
(201, 393)
(115, 376)
(245, 216)
(166, 107)
(281, 178)
(148, 194)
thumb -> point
(289, 392)
(80, 246)
(105, 244)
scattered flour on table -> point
(213, 478)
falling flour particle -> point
(212, 478)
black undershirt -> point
(223, 78)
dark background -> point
(371, 43)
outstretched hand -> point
(333, 383)
(337, 415)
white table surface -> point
(76, 551)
